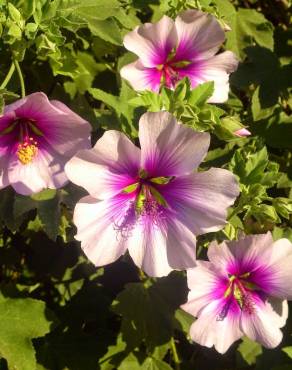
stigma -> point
(27, 150)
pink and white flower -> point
(241, 291)
(149, 201)
(171, 50)
(37, 137)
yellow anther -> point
(27, 151)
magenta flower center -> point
(25, 132)
(240, 290)
(27, 150)
(170, 70)
(148, 199)
(147, 203)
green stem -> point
(20, 76)
(175, 354)
(8, 76)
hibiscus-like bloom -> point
(37, 137)
(241, 291)
(171, 50)
(149, 201)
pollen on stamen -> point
(27, 150)
(248, 304)
(152, 209)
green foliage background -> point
(57, 311)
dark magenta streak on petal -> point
(153, 78)
(228, 308)
(6, 120)
(192, 71)
(219, 288)
(263, 277)
(162, 52)
(185, 51)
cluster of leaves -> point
(57, 310)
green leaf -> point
(46, 194)
(283, 206)
(21, 320)
(258, 112)
(288, 351)
(249, 350)
(130, 362)
(152, 363)
(47, 203)
(107, 30)
(115, 354)
(201, 93)
(14, 13)
(31, 30)
(277, 130)
(257, 70)
(248, 26)
(80, 10)
(6, 209)
(184, 320)
(265, 212)
(50, 215)
(250, 168)
(153, 321)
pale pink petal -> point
(100, 240)
(253, 250)
(3, 170)
(221, 256)
(63, 107)
(140, 77)
(169, 148)
(205, 286)
(200, 200)
(9, 108)
(45, 171)
(210, 331)
(281, 308)
(262, 325)
(106, 169)
(217, 69)
(162, 247)
(279, 251)
(200, 35)
(280, 277)
(148, 249)
(181, 246)
(152, 42)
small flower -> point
(37, 137)
(171, 50)
(243, 132)
(149, 201)
(241, 291)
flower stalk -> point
(20, 76)
(8, 76)
(175, 354)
